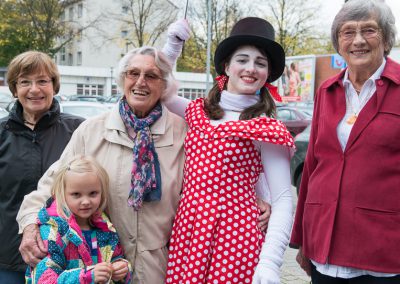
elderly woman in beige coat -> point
(140, 144)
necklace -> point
(353, 117)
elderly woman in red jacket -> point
(347, 225)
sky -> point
(331, 7)
(324, 18)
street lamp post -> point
(208, 45)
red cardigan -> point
(348, 212)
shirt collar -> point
(371, 79)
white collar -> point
(236, 102)
(372, 79)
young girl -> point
(233, 139)
(83, 246)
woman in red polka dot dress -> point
(232, 142)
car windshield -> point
(113, 99)
(308, 112)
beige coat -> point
(144, 234)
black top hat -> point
(257, 32)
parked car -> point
(60, 98)
(83, 108)
(80, 108)
(87, 98)
(10, 105)
(3, 112)
(5, 96)
(297, 161)
(111, 101)
(306, 107)
(295, 120)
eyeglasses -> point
(366, 33)
(28, 83)
(148, 77)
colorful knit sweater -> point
(69, 259)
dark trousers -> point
(14, 277)
(318, 278)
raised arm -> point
(178, 33)
(276, 164)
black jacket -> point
(25, 155)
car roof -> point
(82, 103)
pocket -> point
(384, 129)
(312, 217)
(376, 235)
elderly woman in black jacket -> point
(32, 137)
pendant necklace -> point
(353, 117)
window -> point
(71, 13)
(125, 9)
(114, 90)
(79, 89)
(100, 90)
(79, 58)
(124, 33)
(192, 94)
(62, 55)
(90, 90)
(62, 16)
(80, 10)
(70, 59)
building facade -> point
(78, 80)
(103, 31)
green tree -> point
(15, 36)
(224, 14)
(36, 25)
(295, 26)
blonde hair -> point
(78, 164)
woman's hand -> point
(102, 272)
(178, 33)
(304, 262)
(265, 210)
(32, 247)
(120, 269)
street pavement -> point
(291, 273)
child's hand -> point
(120, 269)
(102, 272)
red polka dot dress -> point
(215, 238)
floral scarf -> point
(146, 176)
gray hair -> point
(356, 10)
(162, 63)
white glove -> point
(265, 275)
(178, 33)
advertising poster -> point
(297, 81)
